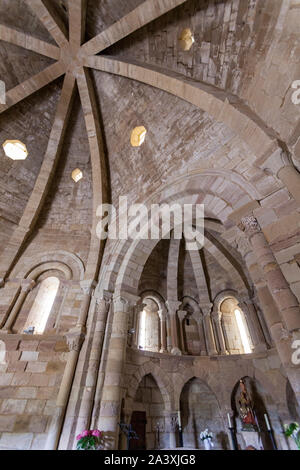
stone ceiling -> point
(232, 38)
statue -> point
(245, 410)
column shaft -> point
(111, 395)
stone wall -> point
(219, 377)
(29, 381)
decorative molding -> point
(88, 286)
(173, 306)
(249, 224)
(75, 339)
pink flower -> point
(96, 433)
(79, 437)
(86, 433)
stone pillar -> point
(112, 392)
(88, 393)
(163, 331)
(173, 306)
(136, 325)
(280, 306)
(75, 339)
(26, 286)
(169, 339)
(262, 322)
(101, 371)
(209, 334)
(284, 298)
(181, 316)
(203, 351)
(217, 316)
(255, 330)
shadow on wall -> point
(199, 411)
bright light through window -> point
(15, 149)
(242, 330)
(42, 305)
(142, 328)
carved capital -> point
(206, 309)
(162, 315)
(104, 300)
(121, 304)
(27, 285)
(249, 224)
(173, 306)
(88, 286)
(75, 339)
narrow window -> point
(42, 305)
(242, 330)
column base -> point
(212, 353)
(6, 331)
(163, 351)
(224, 353)
(176, 352)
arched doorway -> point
(147, 418)
(199, 411)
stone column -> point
(75, 339)
(112, 392)
(217, 316)
(255, 330)
(209, 334)
(173, 306)
(26, 286)
(181, 316)
(163, 331)
(279, 304)
(199, 321)
(136, 318)
(88, 393)
(262, 322)
(101, 371)
(284, 298)
(169, 339)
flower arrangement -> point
(89, 440)
(293, 430)
(206, 435)
(206, 438)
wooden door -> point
(138, 423)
